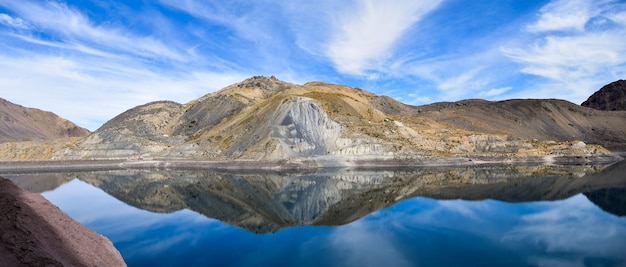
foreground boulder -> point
(34, 232)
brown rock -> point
(610, 97)
(34, 232)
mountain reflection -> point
(269, 201)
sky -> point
(89, 61)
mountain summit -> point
(263, 118)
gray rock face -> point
(304, 130)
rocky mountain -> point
(265, 119)
(270, 201)
(18, 123)
(610, 97)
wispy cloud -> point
(574, 227)
(362, 244)
(73, 27)
(577, 46)
(562, 15)
(13, 22)
(363, 38)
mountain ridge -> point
(263, 118)
(20, 123)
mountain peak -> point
(610, 97)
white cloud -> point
(575, 227)
(13, 22)
(495, 91)
(364, 37)
(361, 244)
(460, 82)
(562, 15)
(587, 52)
(74, 28)
(571, 57)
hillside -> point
(265, 119)
(542, 119)
(18, 123)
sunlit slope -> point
(263, 118)
(18, 123)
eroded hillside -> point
(263, 118)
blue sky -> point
(88, 61)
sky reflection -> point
(414, 232)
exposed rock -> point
(610, 97)
(36, 233)
(266, 119)
(18, 123)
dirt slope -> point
(37, 233)
(18, 123)
(542, 119)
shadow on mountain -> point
(267, 202)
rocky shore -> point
(34, 232)
(292, 164)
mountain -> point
(610, 97)
(265, 119)
(541, 119)
(18, 123)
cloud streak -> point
(13, 22)
(72, 27)
(576, 46)
(364, 40)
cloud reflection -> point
(568, 234)
(363, 243)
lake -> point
(498, 215)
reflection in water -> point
(270, 201)
(518, 216)
(611, 200)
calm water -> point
(491, 216)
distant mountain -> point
(18, 123)
(263, 118)
(610, 97)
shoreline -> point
(47, 166)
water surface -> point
(463, 216)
